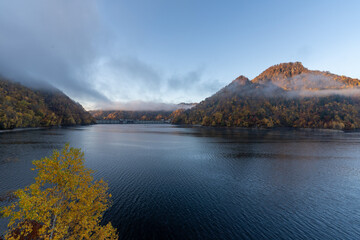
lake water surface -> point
(170, 182)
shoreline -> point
(38, 128)
(193, 125)
(274, 128)
(22, 129)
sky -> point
(108, 54)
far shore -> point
(195, 125)
(22, 129)
(34, 128)
(273, 128)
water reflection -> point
(175, 183)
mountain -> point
(147, 115)
(135, 115)
(284, 95)
(294, 76)
(22, 106)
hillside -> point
(136, 115)
(142, 115)
(21, 106)
(284, 95)
(294, 76)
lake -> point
(170, 182)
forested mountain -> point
(136, 115)
(285, 95)
(149, 115)
(294, 76)
(22, 106)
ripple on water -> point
(197, 183)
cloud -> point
(326, 92)
(194, 82)
(319, 84)
(68, 45)
(315, 81)
(128, 78)
(50, 41)
(141, 106)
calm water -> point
(194, 183)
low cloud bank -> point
(351, 92)
(141, 106)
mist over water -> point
(199, 183)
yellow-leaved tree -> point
(63, 203)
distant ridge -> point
(143, 115)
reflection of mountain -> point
(21, 106)
(285, 95)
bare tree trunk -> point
(53, 228)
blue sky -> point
(108, 53)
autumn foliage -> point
(21, 106)
(136, 115)
(64, 202)
(285, 95)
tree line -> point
(332, 112)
